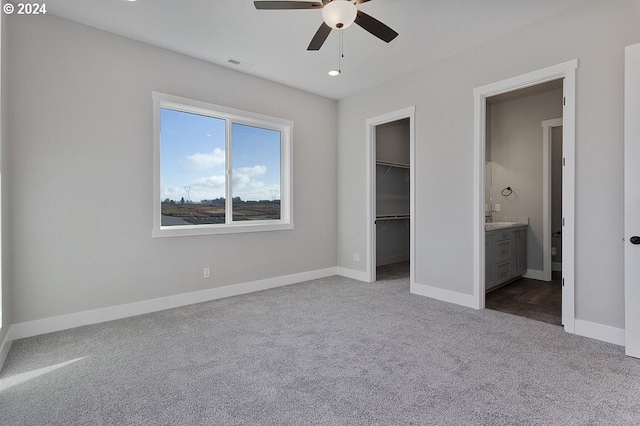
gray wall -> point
(596, 34)
(81, 172)
(392, 141)
(516, 157)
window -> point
(219, 170)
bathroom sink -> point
(500, 225)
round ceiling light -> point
(339, 14)
(334, 73)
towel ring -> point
(507, 191)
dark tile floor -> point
(538, 300)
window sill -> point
(191, 230)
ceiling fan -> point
(338, 14)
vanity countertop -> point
(492, 226)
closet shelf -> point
(391, 164)
(393, 217)
(385, 219)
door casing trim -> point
(371, 124)
(567, 72)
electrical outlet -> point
(206, 273)
(497, 207)
(356, 257)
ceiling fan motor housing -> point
(339, 14)
(336, 14)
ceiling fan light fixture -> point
(339, 14)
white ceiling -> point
(274, 42)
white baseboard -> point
(49, 325)
(599, 332)
(353, 274)
(4, 348)
(445, 295)
(33, 328)
(535, 274)
(555, 266)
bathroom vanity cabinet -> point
(505, 255)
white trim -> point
(479, 155)
(564, 71)
(5, 347)
(371, 123)
(449, 296)
(353, 274)
(33, 328)
(529, 79)
(536, 274)
(63, 322)
(568, 199)
(631, 200)
(547, 128)
(601, 332)
(231, 116)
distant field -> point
(201, 214)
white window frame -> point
(285, 127)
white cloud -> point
(172, 193)
(245, 177)
(248, 184)
(216, 181)
(200, 161)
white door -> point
(632, 200)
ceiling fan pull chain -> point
(341, 51)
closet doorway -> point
(390, 196)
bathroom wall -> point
(516, 157)
(556, 192)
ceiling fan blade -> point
(280, 5)
(361, 1)
(375, 27)
(321, 35)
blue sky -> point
(193, 155)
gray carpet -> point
(329, 352)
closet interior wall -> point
(392, 192)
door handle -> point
(635, 240)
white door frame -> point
(547, 127)
(371, 124)
(567, 72)
(631, 201)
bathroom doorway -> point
(507, 194)
(390, 189)
(519, 167)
